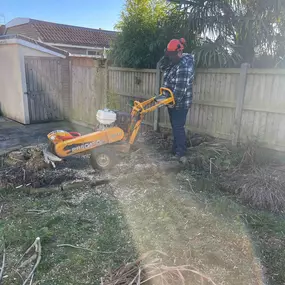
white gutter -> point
(76, 46)
(88, 56)
(31, 45)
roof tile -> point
(73, 35)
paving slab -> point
(14, 135)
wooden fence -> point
(263, 113)
(233, 104)
(88, 90)
(125, 84)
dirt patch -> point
(26, 167)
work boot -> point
(183, 160)
(179, 158)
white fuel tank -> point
(106, 117)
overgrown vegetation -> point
(221, 33)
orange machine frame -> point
(65, 144)
(142, 108)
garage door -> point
(44, 89)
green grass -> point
(96, 224)
(267, 231)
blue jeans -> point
(178, 120)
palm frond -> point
(218, 53)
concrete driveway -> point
(14, 135)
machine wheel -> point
(103, 158)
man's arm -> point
(184, 76)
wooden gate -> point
(44, 89)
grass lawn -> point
(183, 214)
(95, 222)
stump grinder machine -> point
(117, 132)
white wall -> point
(13, 100)
(26, 51)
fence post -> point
(239, 103)
(157, 86)
(106, 84)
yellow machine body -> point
(64, 144)
(63, 148)
(142, 108)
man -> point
(178, 77)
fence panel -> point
(214, 99)
(127, 84)
(215, 96)
(88, 90)
(264, 108)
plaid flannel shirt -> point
(179, 79)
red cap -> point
(175, 46)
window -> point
(93, 52)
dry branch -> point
(85, 248)
(36, 256)
(38, 250)
(141, 272)
(3, 264)
(74, 246)
(38, 212)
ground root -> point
(26, 167)
(262, 188)
(148, 270)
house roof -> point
(33, 44)
(65, 34)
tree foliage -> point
(221, 33)
(137, 44)
(146, 26)
(236, 31)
